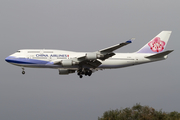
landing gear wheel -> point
(89, 73)
(23, 72)
(84, 71)
(80, 76)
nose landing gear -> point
(23, 72)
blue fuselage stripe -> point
(25, 61)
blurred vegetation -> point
(138, 112)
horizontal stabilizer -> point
(159, 55)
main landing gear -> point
(23, 72)
(85, 72)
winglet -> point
(130, 41)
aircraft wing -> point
(115, 47)
(82, 61)
(92, 59)
(108, 52)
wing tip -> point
(130, 41)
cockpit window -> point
(18, 51)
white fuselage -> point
(45, 58)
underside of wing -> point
(90, 63)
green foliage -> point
(138, 112)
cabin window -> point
(33, 51)
(47, 51)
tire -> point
(23, 72)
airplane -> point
(85, 63)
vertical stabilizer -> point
(157, 44)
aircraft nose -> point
(8, 59)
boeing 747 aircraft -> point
(85, 63)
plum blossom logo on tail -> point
(156, 45)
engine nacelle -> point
(93, 56)
(65, 72)
(67, 63)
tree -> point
(138, 112)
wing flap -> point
(94, 63)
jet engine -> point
(67, 63)
(65, 71)
(93, 56)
